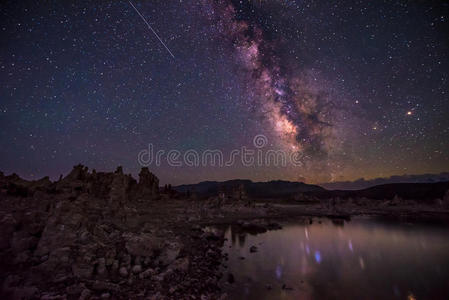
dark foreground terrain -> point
(105, 235)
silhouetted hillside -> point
(270, 189)
(414, 191)
(286, 189)
(361, 183)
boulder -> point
(7, 226)
(102, 286)
(123, 272)
(85, 294)
(114, 267)
(82, 270)
(181, 264)
(142, 245)
(101, 267)
(83, 267)
(147, 273)
(170, 252)
(137, 269)
(75, 290)
(34, 221)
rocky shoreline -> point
(101, 235)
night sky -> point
(359, 88)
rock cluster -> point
(118, 187)
(97, 235)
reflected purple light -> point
(350, 246)
(362, 263)
(278, 271)
(318, 256)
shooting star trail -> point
(151, 28)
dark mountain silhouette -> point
(364, 183)
(286, 189)
(263, 190)
(413, 191)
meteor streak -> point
(151, 28)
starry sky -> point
(358, 88)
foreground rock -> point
(101, 235)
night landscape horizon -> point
(224, 149)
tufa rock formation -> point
(93, 235)
(117, 187)
(148, 184)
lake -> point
(359, 259)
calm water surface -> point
(360, 259)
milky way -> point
(297, 113)
(298, 108)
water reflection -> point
(362, 259)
